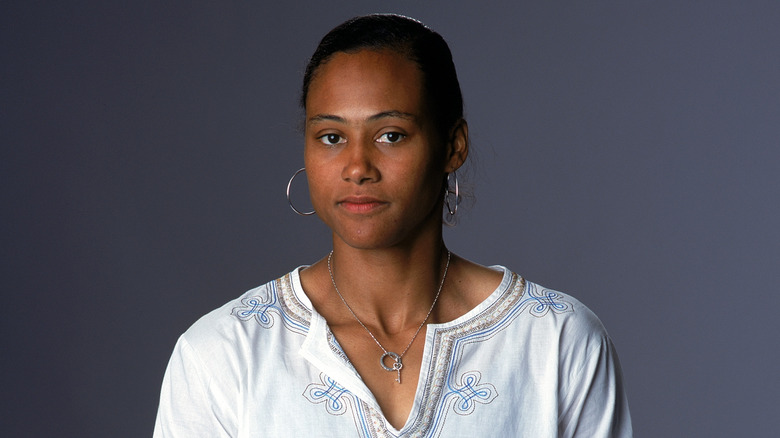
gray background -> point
(627, 153)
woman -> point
(390, 334)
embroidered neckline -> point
(434, 380)
(447, 384)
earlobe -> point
(458, 146)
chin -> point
(359, 238)
(364, 242)
(381, 234)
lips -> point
(361, 204)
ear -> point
(457, 146)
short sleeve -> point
(593, 399)
(190, 403)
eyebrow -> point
(378, 116)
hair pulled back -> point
(409, 38)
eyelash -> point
(398, 134)
(325, 139)
(334, 139)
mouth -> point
(361, 204)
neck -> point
(390, 290)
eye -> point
(332, 139)
(391, 137)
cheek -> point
(319, 186)
(423, 182)
(315, 184)
(313, 168)
(307, 156)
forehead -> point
(367, 80)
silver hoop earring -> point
(452, 207)
(289, 201)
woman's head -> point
(410, 38)
(382, 130)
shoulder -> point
(573, 321)
(582, 345)
(574, 315)
(498, 292)
(592, 400)
(259, 311)
(558, 332)
(549, 322)
(537, 317)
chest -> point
(453, 391)
(389, 366)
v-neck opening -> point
(322, 349)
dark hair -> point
(410, 38)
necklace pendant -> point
(396, 366)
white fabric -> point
(527, 362)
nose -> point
(360, 165)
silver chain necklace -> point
(397, 364)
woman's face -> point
(373, 160)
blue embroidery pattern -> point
(443, 392)
(257, 307)
(267, 302)
(329, 392)
(446, 390)
(470, 392)
(544, 301)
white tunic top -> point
(526, 362)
